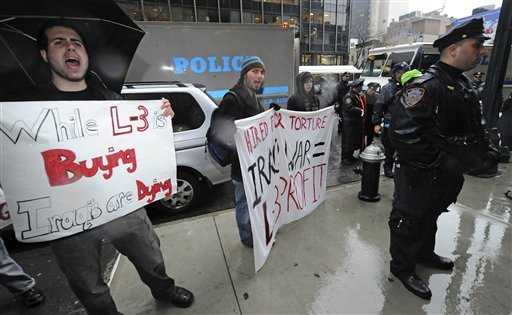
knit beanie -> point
(251, 63)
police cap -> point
(473, 28)
(356, 83)
(400, 66)
(373, 85)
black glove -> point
(275, 106)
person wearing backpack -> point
(241, 102)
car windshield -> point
(374, 65)
(395, 58)
(427, 61)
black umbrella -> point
(110, 35)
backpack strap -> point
(237, 98)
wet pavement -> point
(336, 260)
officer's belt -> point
(462, 140)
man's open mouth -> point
(72, 62)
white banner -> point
(283, 157)
(69, 166)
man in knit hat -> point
(241, 102)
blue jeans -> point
(242, 213)
(12, 275)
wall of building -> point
(416, 27)
(321, 25)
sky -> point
(455, 8)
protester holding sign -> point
(284, 162)
(78, 255)
(241, 102)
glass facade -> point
(321, 25)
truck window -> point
(395, 58)
(374, 64)
(188, 114)
(427, 60)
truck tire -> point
(188, 194)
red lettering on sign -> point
(117, 128)
(62, 169)
(143, 118)
(248, 142)
(151, 191)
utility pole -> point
(498, 65)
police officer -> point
(437, 132)
(371, 95)
(382, 113)
(341, 90)
(352, 111)
(342, 87)
(478, 81)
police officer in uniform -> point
(478, 81)
(352, 111)
(437, 132)
(382, 113)
(341, 90)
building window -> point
(329, 38)
(306, 59)
(230, 16)
(182, 11)
(330, 12)
(272, 10)
(207, 15)
(132, 8)
(328, 59)
(252, 11)
(156, 10)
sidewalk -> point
(336, 260)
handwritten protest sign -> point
(66, 167)
(283, 157)
(5, 219)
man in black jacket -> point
(352, 111)
(343, 88)
(304, 99)
(437, 132)
(382, 114)
(78, 255)
(241, 102)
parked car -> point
(196, 170)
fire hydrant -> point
(372, 156)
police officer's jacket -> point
(381, 109)
(435, 114)
(351, 106)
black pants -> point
(409, 246)
(78, 257)
(389, 150)
(351, 137)
(421, 195)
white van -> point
(420, 56)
